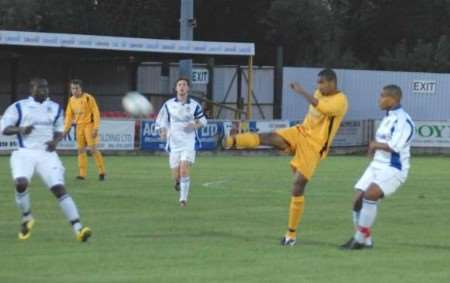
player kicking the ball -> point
(177, 122)
(38, 124)
(387, 171)
(308, 142)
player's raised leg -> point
(253, 140)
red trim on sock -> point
(365, 231)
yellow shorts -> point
(306, 158)
(84, 136)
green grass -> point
(231, 228)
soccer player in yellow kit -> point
(82, 111)
(308, 142)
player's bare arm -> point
(297, 88)
(12, 130)
(163, 133)
(94, 133)
(57, 137)
(374, 146)
(193, 126)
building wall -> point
(363, 89)
(108, 81)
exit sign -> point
(200, 76)
(424, 87)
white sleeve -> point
(10, 117)
(200, 116)
(402, 133)
(163, 118)
(58, 123)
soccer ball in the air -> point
(136, 104)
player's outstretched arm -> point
(297, 88)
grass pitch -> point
(230, 230)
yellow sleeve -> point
(69, 117)
(335, 106)
(95, 112)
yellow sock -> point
(295, 215)
(82, 164)
(99, 162)
(247, 140)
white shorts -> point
(387, 178)
(47, 164)
(175, 157)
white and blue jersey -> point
(174, 116)
(397, 130)
(389, 170)
(46, 118)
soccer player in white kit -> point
(178, 122)
(388, 169)
(38, 123)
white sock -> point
(70, 211)
(185, 183)
(355, 215)
(24, 204)
(367, 217)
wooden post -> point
(250, 88)
(278, 84)
(210, 87)
(237, 115)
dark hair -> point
(394, 90)
(77, 82)
(328, 74)
(183, 79)
(36, 80)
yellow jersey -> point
(82, 111)
(322, 121)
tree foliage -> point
(383, 34)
